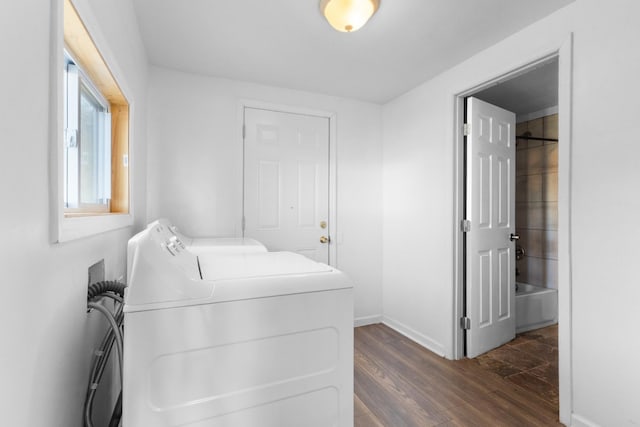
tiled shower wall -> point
(537, 202)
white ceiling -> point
(287, 43)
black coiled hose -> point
(114, 290)
(106, 286)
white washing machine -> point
(206, 245)
(246, 339)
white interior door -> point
(490, 200)
(286, 182)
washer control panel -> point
(168, 240)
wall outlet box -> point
(96, 272)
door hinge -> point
(465, 225)
(465, 323)
(465, 129)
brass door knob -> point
(324, 239)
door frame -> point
(564, 53)
(333, 158)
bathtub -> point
(536, 307)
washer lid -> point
(259, 264)
(225, 245)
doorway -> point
(562, 58)
(288, 180)
(511, 207)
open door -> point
(490, 226)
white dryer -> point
(246, 339)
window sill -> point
(85, 214)
(77, 227)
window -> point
(95, 128)
(87, 140)
(90, 130)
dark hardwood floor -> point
(399, 383)
(531, 361)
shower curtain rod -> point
(535, 138)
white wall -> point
(418, 180)
(46, 334)
(195, 166)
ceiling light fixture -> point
(348, 15)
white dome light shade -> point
(348, 15)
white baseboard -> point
(367, 320)
(580, 421)
(423, 340)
